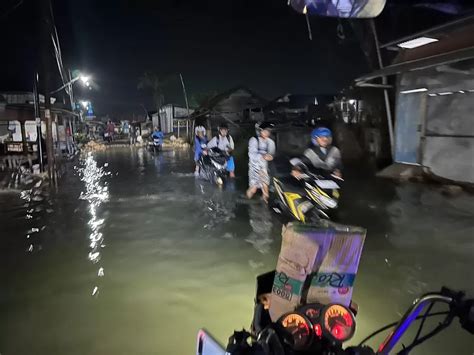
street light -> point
(84, 79)
(85, 104)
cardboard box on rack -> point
(317, 263)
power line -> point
(8, 12)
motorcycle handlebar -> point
(458, 307)
(464, 309)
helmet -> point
(199, 129)
(264, 125)
(321, 132)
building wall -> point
(435, 128)
(168, 114)
(450, 157)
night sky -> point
(262, 44)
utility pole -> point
(385, 91)
(184, 92)
(187, 106)
(38, 121)
(45, 51)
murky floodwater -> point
(133, 255)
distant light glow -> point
(445, 93)
(413, 91)
(84, 79)
(417, 42)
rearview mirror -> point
(339, 8)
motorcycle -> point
(323, 329)
(155, 145)
(212, 166)
(307, 197)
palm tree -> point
(153, 82)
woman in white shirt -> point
(261, 151)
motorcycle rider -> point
(321, 155)
(261, 151)
(157, 134)
(224, 142)
(200, 145)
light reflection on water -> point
(182, 254)
(36, 202)
(95, 193)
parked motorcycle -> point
(213, 166)
(323, 329)
(307, 197)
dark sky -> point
(215, 44)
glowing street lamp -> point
(85, 104)
(83, 78)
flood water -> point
(133, 255)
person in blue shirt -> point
(200, 145)
(157, 134)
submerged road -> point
(133, 255)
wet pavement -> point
(133, 255)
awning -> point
(437, 31)
(419, 64)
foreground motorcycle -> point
(322, 329)
(213, 166)
(155, 145)
(306, 198)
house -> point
(433, 75)
(19, 129)
(298, 107)
(237, 105)
(173, 119)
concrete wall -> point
(435, 128)
(450, 157)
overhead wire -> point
(9, 11)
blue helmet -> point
(321, 132)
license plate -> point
(327, 184)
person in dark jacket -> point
(322, 154)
